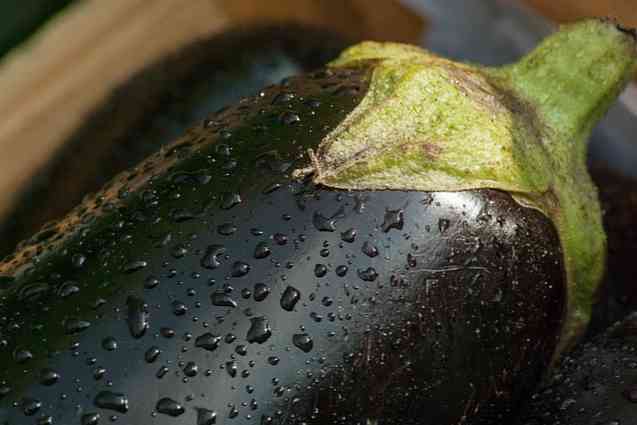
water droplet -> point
(393, 220)
(320, 270)
(49, 377)
(341, 270)
(161, 372)
(152, 354)
(208, 341)
(75, 325)
(166, 332)
(150, 282)
(259, 330)
(210, 259)
(68, 288)
(322, 223)
(4, 390)
(179, 308)
(134, 266)
(369, 249)
(289, 118)
(327, 301)
(109, 344)
(231, 368)
(273, 360)
(303, 342)
(30, 406)
(261, 291)
(289, 298)
(22, 356)
(226, 229)
(349, 235)
(78, 260)
(111, 401)
(239, 269)
(179, 251)
(190, 369)
(45, 420)
(241, 350)
(283, 98)
(206, 417)
(443, 225)
(230, 200)
(280, 238)
(168, 406)
(368, 275)
(90, 419)
(99, 373)
(262, 250)
(221, 299)
(137, 317)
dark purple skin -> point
(271, 300)
(596, 384)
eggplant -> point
(158, 104)
(394, 238)
(594, 384)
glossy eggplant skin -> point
(157, 105)
(594, 384)
(206, 282)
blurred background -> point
(88, 88)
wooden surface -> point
(49, 86)
(625, 11)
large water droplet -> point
(262, 250)
(208, 341)
(393, 220)
(168, 406)
(349, 235)
(109, 343)
(210, 259)
(90, 418)
(206, 417)
(230, 200)
(320, 270)
(259, 330)
(239, 269)
(191, 369)
(111, 401)
(221, 299)
(137, 317)
(368, 275)
(179, 308)
(303, 342)
(22, 356)
(134, 266)
(322, 223)
(369, 249)
(30, 406)
(231, 368)
(152, 354)
(261, 291)
(49, 377)
(289, 298)
(226, 229)
(75, 325)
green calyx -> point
(431, 124)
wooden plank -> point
(624, 11)
(49, 86)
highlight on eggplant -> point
(394, 239)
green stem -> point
(574, 75)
